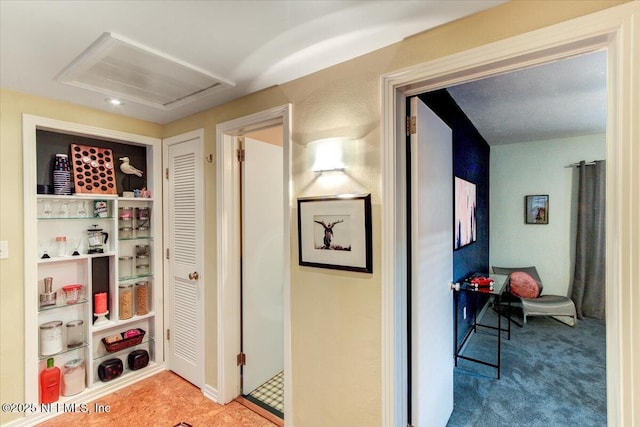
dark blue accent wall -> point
(470, 162)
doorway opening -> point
(262, 265)
(248, 356)
(542, 46)
(505, 172)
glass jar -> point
(125, 213)
(73, 377)
(142, 265)
(125, 232)
(142, 289)
(142, 216)
(125, 264)
(142, 250)
(142, 231)
(75, 333)
(125, 300)
(61, 245)
(51, 338)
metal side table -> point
(495, 294)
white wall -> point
(538, 167)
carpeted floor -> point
(552, 375)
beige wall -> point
(335, 316)
(272, 135)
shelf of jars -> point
(73, 243)
(112, 324)
(58, 305)
(65, 349)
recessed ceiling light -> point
(113, 101)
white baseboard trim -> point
(210, 393)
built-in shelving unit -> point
(48, 217)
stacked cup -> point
(61, 175)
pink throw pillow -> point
(523, 285)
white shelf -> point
(55, 259)
(61, 306)
(65, 350)
(41, 231)
(77, 196)
(111, 324)
(135, 199)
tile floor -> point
(270, 395)
(164, 399)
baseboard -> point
(260, 411)
(210, 393)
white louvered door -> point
(185, 290)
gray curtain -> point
(588, 290)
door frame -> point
(228, 244)
(166, 143)
(612, 29)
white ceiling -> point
(253, 44)
(258, 44)
(557, 100)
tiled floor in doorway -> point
(270, 395)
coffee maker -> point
(97, 239)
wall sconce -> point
(327, 154)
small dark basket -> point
(124, 343)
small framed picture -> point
(536, 209)
(335, 232)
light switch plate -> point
(4, 249)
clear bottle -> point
(61, 245)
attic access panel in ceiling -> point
(115, 66)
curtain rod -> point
(572, 165)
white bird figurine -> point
(128, 169)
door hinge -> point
(240, 154)
(167, 253)
(411, 125)
(166, 173)
(241, 359)
(168, 335)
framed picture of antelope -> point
(335, 232)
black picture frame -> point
(334, 232)
(536, 209)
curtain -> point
(588, 290)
